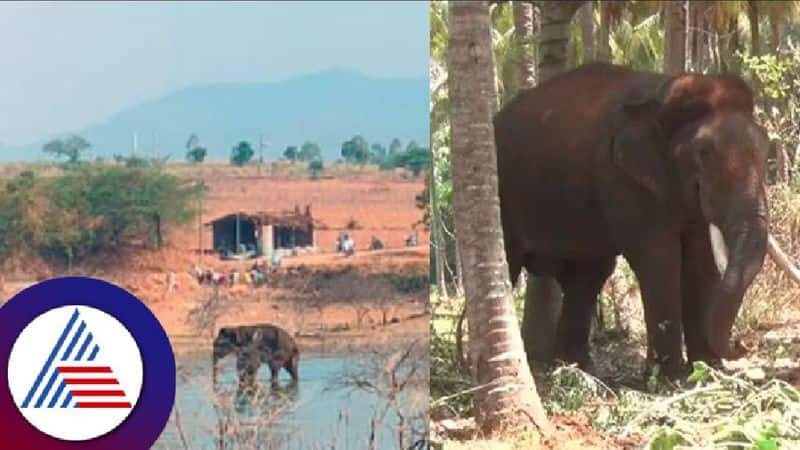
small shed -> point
(262, 233)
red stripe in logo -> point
(104, 405)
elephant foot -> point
(581, 358)
(666, 370)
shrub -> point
(315, 168)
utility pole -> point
(261, 146)
(200, 230)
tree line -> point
(354, 151)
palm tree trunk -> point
(554, 38)
(729, 46)
(699, 36)
(586, 17)
(688, 37)
(755, 38)
(776, 26)
(674, 39)
(603, 44)
(524, 27)
(509, 397)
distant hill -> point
(327, 107)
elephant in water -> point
(668, 171)
(254, 345)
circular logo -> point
(87, 366)
(75, 357)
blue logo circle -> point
(87, 366)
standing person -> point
(348, 245)
(170, 281)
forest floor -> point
(330, 302)
(753, 402)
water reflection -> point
(307, 414)
(260, 400)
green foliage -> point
(70, 148)
(639, 45)
(378, 153)
(356, 150)
(133, 161)
(778, 106)
(315, 168)
(310, 151)
(506, 52)
(415, 159)
(242, 153)
(409, 283)
(91, 210)
(291, 153)
(395, 147)
(195, 153)
(448, 379)
(716, 409)
(16, 203)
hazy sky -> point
(64, 66)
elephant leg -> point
(581, 282)
(699, 278)
(246, 369)
(292, 365)
(657, 265)
(274, 370)
(540, 318)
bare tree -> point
(508, 397)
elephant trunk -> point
(739, 249)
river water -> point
(315, 413)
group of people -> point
(347, 246)
(256, 276)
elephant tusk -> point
(718, 248)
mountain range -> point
(326, 107)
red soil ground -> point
(382, 204)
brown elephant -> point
(667, 171)
(255, 345)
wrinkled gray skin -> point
(254, 345)
(667, 171)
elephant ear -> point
(638, 145)
(656, 108)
